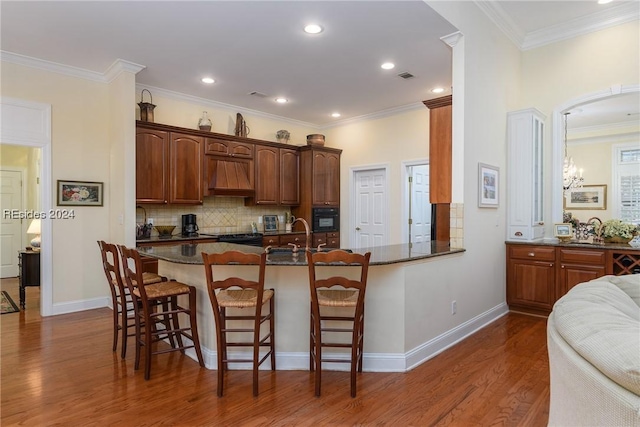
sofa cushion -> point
(602, 324)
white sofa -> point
(593, 338)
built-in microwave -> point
(325, 219)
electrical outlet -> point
(454, 307)
(150, 221)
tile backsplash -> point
(456, 216)
(215, 215)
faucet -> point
(306, 231)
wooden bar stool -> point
(239, 293)
(158, 302)
(349, 294)
(121, 300)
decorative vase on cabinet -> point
(205, 122)
(525, 197)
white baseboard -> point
(437, 345)
(390, 362)
(81, 305)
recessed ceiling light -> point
(313, 29)
(282, 100)
(208, 80)
(604, 1)
(387, 65)
(437, 90)
(335, 114)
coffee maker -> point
(189, 226)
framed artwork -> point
(80, 193)
(488, 186)
(586, 197)
(563, 231)
(270, 222)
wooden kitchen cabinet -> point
(319, 180)
(539, 275)
(276, 177)
(325, 186)
(225, 148)
(330, 239)
(185, 169)
(577, 266)
(531, 278)
(152, 151)
(289, 177)
(168, 166)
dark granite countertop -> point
(576, 244)
(381, 255)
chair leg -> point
(116, 326)
(194, 325)
(311, 341)
(256, 356)
(166, 321)
(138, 337)
(147, 346)
(318, 354)
(220, 326)
(272, 330)
(176, 322)
(125, 329)
(223, 336)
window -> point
(626, 182)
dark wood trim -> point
(442, 223)
(439, 102)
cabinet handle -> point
(562, 266)
(531, 254)
(518, 233)
(551, 265)
(296, 240)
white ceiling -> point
(260, 46)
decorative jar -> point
(204, 123)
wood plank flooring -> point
(60, 371)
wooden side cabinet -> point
(531, 278)
(29, 272)
(539, 275)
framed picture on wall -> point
(488, 186)
(270, 222)
(79, 193)
(586, 197)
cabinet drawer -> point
(298, 239)
(540, 253)
(582, 256)
(270, 240)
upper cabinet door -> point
(326, 178)
(185, 169)
(151, 166)
(267, 176)
(222, 147)
(289, 177)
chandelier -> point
(569, 177)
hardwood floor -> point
(60, 371)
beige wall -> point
(553, 75)
(80, 151)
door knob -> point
(357, 228)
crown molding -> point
(377, 115)
(503, 21)
(610, 17)
(207, 102)
(54, 67)
(120, 66)
(604, 139)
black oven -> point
(325, 219)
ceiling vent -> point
(258, 94)
(406, 75)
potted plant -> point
(616, 231)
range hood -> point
(226, 177)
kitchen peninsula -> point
(396, 301)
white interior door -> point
(420, 212)
(371, 210)
(10, 229)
